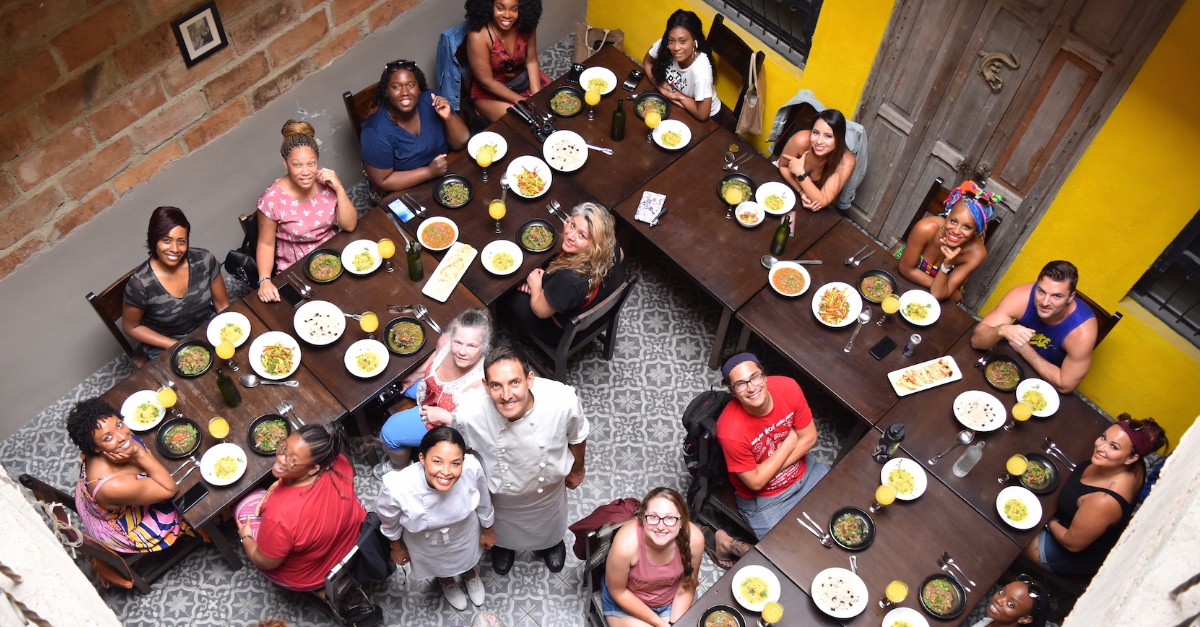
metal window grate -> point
(785, 23)
(1170, 289)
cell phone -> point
(290, 294)
(191, 497)
(631, 81)
(401, 210)
(883, 347)
(574, 72)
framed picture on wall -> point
(199, 33)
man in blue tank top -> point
(1047, 326)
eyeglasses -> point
(291, 460)
(654, 519)
(740, 386)
(1034, 589)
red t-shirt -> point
(749, 440)
(311, 527)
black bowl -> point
(655, 96)
(1045, 462)
(565, 89)
(316, 253)
(737, 616)
(960, 602)
(258, 421)
(536, 222)
(387, 335)
(863, 517)
(736, 177)
(883, 274)
(162, 433)
(1007, 360)
(186, 345)
(446, 180)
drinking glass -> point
(225, 351)
(772, 613)
(884, 495)
(218, 428)
(387, 249)
(484, 159)
(167, 398)
(497, 209)
(1016, 466)
(368, 322)
(733, 196)
(1021, 412)
(890, 305)
(894, 594)
(592, 98)
(653, 119)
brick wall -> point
(96, 97)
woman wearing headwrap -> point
(942, 251)
(1097, 501)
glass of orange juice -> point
(484, 159)
(653, 119)
(733, 197)
(1016, 466)
(387, 249)
(894, 594)
(218, 428)
(368, 322)
(890, 305)
(884, 495)
(167, 398)
(592, 98)
(225, 351)
(772, 613)
(1020, 413)
(497, 209)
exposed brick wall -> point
(96, 97)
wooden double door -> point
(1007, 92)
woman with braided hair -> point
(298, 529)
(942, 251)
(298, 212)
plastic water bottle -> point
(968, 459)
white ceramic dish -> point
(208, 463)
(501, 246)
(775, 188)
(271, 338)
(567, 143)
(906, 614)
(773, 588)
(485, 138)
(129, 409)
(436, 220)
(685, 133)
(356, 248)
(852, 298)
(366, 346)
(835, 578)
(1047, 390)
(760, 214)
(532, 164)
(896, 376)
(923, 298)
(991, 410)
(779, 265)
(1031, 502)
(229, 317)
(319, 322)
(920, 480)
(599, 72)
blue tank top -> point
(1047, 339)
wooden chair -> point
(713, 501)
(600, 539)
(140, 568)
(731, 49)
(338, 582)
(466, 107)
(359, 107)
(1104, 320)
(799, 118)
(108, 304)
(602, 318)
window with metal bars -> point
(786, 26)
(1170, 289)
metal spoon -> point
(863, 319)
(768, 261)
(252, 381)
(850, 260)
(854, 564)
(964, 438)
(607, 151)
(950, 561)
(828, 539)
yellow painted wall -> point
(848, 35)
(1131, 193)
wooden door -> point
(1005, 91)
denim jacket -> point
(449, 73)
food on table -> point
(774, 202)
(837, 593)
(749, 216)
(486, 152)
(789, 281)
(368, 361)
(902, 481)
(269, 433)
(437, 234)
(597, 84)
(651, 104)
(193, 360)
(720, 618)
(915, 377)
(917, 312)
(537, 237)
(875, 287)
(565, 154)
(181, 438)
(940, 597)
(671, 138)
(754, 590)
(1003, 374)
(277, 359)
(1035, 399)
(849, 529)
(502, 261)
(1015, 510)
(834, 306)
(324, 267)
(231, 333)
(321, 326)
(902, 623)
(454, 194)
(977, 413)
(363, 261)
(226, 467)
(1036, 475)
(406, 337)
(448, 273)
(146, 413)
(529, 183)
(565, 103)
(738, 185)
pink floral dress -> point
(303, 224)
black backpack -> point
(701, 453)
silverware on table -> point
(820, 536)
(854, 564)
(859, 261)
(1053, 451)
(180, 480)
(607, 151)
(154, 375)
(950, 560)
(850, 260)
(737, 163)
(946, 569)
(982, 361)
(285, 407)
(423, 313)
(303, 288)
(826, 539)
(182, 466)
(162, 373)
(417, 207)
(863, 319)
(251, 381)
(964, 438)
(556, 209)
(808, 262)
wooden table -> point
(720, 255)
(857, 379)
(930, 426)
(798, 608)
(910, 536)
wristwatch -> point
(946, 269)
(802, 176)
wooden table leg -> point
(714, 360)
(222, 543)
(743, 339)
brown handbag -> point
(753, 105)
(589, 40)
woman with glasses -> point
(1096, 503)
(298, 529)
(681, 66)
(654, 564)
(951, 241)
(405, 141)
(502, 50)
(1019, 604)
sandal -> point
(710, 547)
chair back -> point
(359, 107)
(1105, 321)
(583, 328)
(108, 305)
(732, 50)
(799, 118)
(466, 107)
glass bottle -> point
(889, 442)
(781, 236)
(968, 459)
(618, 122)
(229, 391)
(416, 267)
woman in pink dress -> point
(502, 50)
(298, 212)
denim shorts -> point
(1055, 557)
(762, 513)
(612, 609)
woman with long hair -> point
(817, 163)
(681, 66)
(502, 52)
(951, 241)
(1021, 603)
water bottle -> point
(781, 236)
(618, 122)
(229, 391)
(968, 459)
(416, 267)
(889, 442)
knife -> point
(810, 529)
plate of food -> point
(979, 411)
(449, 272)
(1041, 397)
(1041, 476)
(274, 355)
(1003, 373)
(743, 184)
(672, 134)
(775, 197)
(266, 432)
(852, 528)
(528, 176)
(566, 101)
(142, 411)
(839, 593)
(651, 101)
(361, 257)
(749, 214)
(565, 151)
(1019, 507)
(906, 477)
(366, 358)
(404, 335)
(836, 304)
(178, 438)
(925, 375)
(789, 278)
(223, 464)
(191, 358)
(501, 257)
(537, 236)
(722, 615)
(438, 233)
(599, 79)
(754, 586)
(489, 142)
(229, 325)
(319, 322)
(323, 265)
(920, 307)
(942, 596)
(874, 285)
(904, 617)
(453, 191)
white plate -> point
(437, 220)
(779, 265)
(229, 317)
(920, 481)
(532, 164)
(895, 376)
(271, 338)
(992, 422)
(852, 296)
(485, 138)
(598, 72)
(767, 576)
(1046, 389)
(501, 246)
(1025, 496)
(366, 346)
(924, 298)
(760, 213)
(131, 404)
(565, 138)
(685, 133)
(906, 614)
(357, 247)
(209, 462)
(856, 585)
(319, 322)
(775, 188)
(449, 272)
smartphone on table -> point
(631, 81)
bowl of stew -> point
(566, 101)
(874, 285)
(740, 182)
(404, 335)
(266, 432)
(852, 528)
(453, 191)
(789, 278)
(942, 597)
(650, 101)
(537, 236)
(192, 358)
(1003, 373)
(178, 437)
(323, 265)
(438, 233)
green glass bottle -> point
(618, 124)
(781, 236)
(416, 268)
(229, 391)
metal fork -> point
(950, 560)
(607, 151)
(285, 407)
(737, 163)
(421, 210)
(423, 313)
(182, 466)
(556, 208)
(180, 480)
(946, 569)
(827, 539)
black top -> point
(1068, 506)
(566, 290)
(165, 314)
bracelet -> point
(260, 281)
(945, 269)
(245, 537)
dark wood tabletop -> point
(858, 380)
(910, 536)
(930, 427)
(798, 608)
(634, 160)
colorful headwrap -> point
(1141, 439)
(978, 202)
